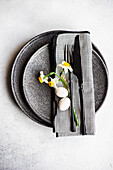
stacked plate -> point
(35, 99)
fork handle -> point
(73, 124)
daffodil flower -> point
(66, 66)
(53, 82)
(60, 78)
(42, 79)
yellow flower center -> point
(66, 64)
(50, 83)
(40, 79)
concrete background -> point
(24, 144)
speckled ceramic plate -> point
(38, 95)
(39, 45)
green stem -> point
(63, 81)
(77, 123)
(61, 72)
(75, 117)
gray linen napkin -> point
(62, 119)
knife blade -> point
(77, 70)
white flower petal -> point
(60, 65)
(70, 68)
(42, 77)
(45, 80)
(55, 86)
(55, 80)
(66, 70)
(63, 62)
(41, 73)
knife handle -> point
(82, 110)
(73, 124)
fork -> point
(68, 58)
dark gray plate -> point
(99, 70)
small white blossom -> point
(53, 82)
(42, 77)
(66, 66)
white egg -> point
(61, 92)
(64, 104)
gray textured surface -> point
(24, 144)
(38, 95)
(62, 119)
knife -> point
(77, 70)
